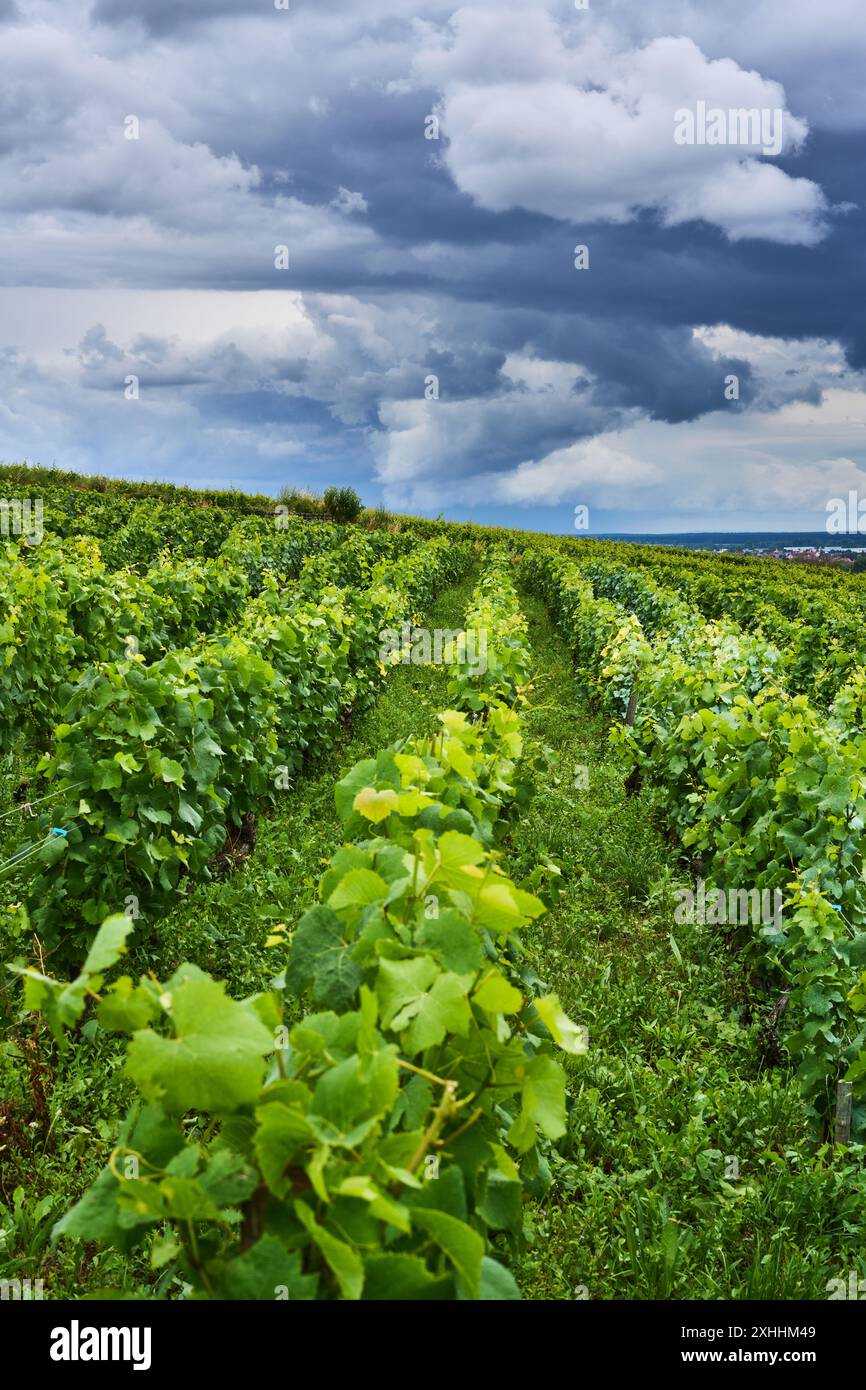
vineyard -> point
(411, 910)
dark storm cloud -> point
(630, 315)
(160, 17)
(643, 273)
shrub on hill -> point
(343, 503)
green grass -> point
(675, 1081)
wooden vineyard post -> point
(632, 701)
(633, 780)
(844, 1098)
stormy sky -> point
(335, 241)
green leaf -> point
(121, 832)
(229, 1178)
(109, 945)
(402, 982)
(268, 1271)
(502, 1207)
(497, 1282)
(359, 888)
(186, 1200)
(453, 941)
(281, 1132)
(345, 1262)
(565, 1034)
(457, 757)
(444, 1009)
(456, 851)
(462, 1246)
(163, 1251)
(427, 1014)
(446, 1193)
(124, 1008)
(188, 814)
(321, 958)
(497, 908)
(106, 775)
(543, 1103)
(497, 996)
(96, 1216)
(396, 1278)
(350, 1098)
(127, 762)
(375, 806)
(346, 790)
(171, 771)
(215, 1061)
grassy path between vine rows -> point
(222, 927)
(674, 1084)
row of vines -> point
(763, 787)
(368, 1126)
(151, 759)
